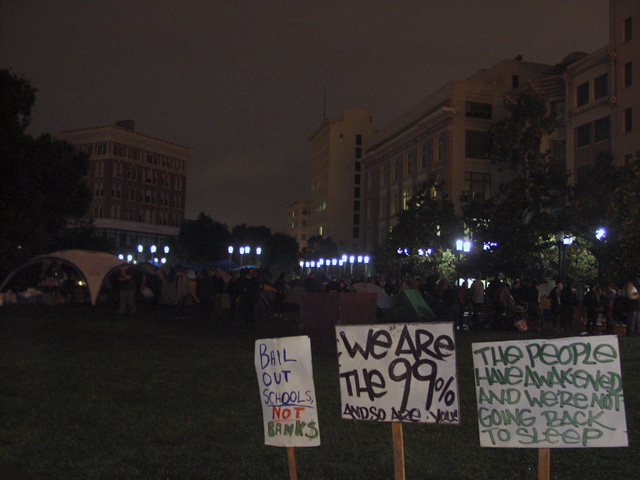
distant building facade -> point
(603, 98)
(299, 221)
(337, 147)
(445, 137)
(138, 184)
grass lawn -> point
(87, 394)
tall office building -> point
(138, 184)
(446, 137)
(298, 221)
(336, 172)
(603, 98)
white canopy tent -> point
(93, 267)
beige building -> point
(602, 96)
(446, 136)
(138, 184)
(336, 177)
(299, 221)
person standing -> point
(182, 290)
(556, 305)
(633, 305)
(593, 306)
(126, 291)
(608, 301)
(568, 304)
(476, 295)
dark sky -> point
(241, 82)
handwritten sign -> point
(288, 398)
(398, 373)
(564, 393)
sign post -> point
(398, 373)
(287, 394)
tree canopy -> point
(42, 184)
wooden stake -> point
(544, 463)
(398, 450)
(293, 474)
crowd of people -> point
(477, 304)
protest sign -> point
(287, 394)
(398, 373)
(562, 393)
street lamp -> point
(241, 254)
(601, 236)
(230, 252)
(258, 252)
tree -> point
(606, 197)
(522, 219)
(42, 184)
(421, 241)
(202, 240)
(319, 247)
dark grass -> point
(86, 394)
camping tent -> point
(92, 267)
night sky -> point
(241, 82)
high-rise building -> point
(138, 184)
(445, 137)
(602, 97)
(336, 176)
(298, 221)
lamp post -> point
(462, 246)
(230, 251)
(241, 254)
(601, 236)
(153, 249)
(258, 252)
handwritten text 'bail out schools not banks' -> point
(285, 378)
(564, 393)
(398, 373)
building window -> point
(356, 232)
(628, 29)
(515, 81)
(477, 144)
(358, 152)
(437, 149)
(356, 205)
(558, 109)
(358, 139)
(600, 87)
(628, 120)
(406, 196)
(602, 129)
(423, 157)
(478, 110)
(477, 185)
(396, 169)
(583, 135)
(628, 74)
(408, 166)
(582, 94)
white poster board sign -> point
(287, 394)
(561, 393)
(398, 373)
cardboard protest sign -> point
(287, 394)
(563, 393)
(398, 373)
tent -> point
(92, 268)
